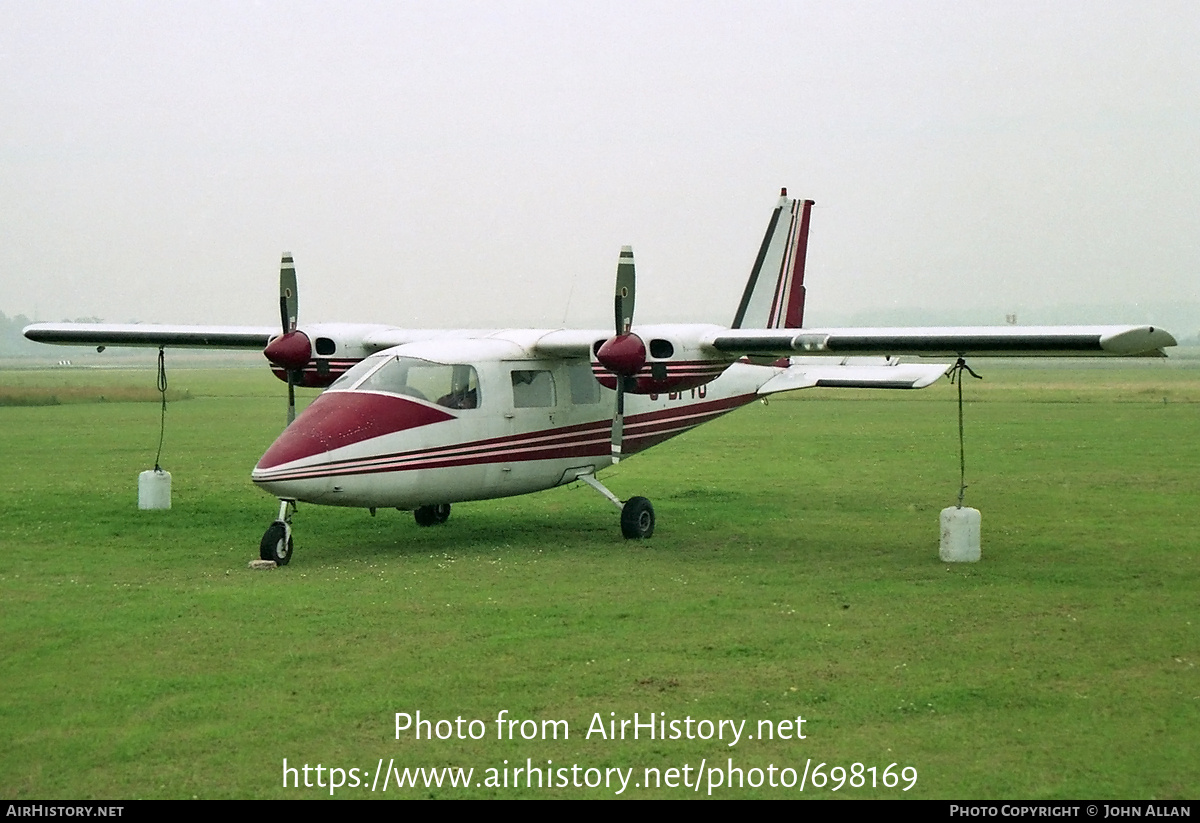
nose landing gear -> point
(276, 542)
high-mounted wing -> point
(138, 334)
(933, 341)
(949, 341)
(768, 326)
(569, 342)
(313, 355)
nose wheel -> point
(276, 542)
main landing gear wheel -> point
(432, 515)
(637, 518)
(276, 543)
(637, 515)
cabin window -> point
(325, 346)
(532, 389)
(584, 386)
(464, 389)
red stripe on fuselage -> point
(319, 372)
(583, 440)
(679, 376)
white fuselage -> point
(500, 423)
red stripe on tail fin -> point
(794, 317)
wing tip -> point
(1138, 340)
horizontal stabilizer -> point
(900, 376)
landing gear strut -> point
(637, 515)
(432, 515)
(277, 540)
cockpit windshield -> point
(354, 374)
(454, 386)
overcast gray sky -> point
(481, 163)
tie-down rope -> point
(956, 376)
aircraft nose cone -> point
(624, 354)
(289, 351)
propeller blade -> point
(623, 302)
(618, 426)
(291, 398)
(289, 301)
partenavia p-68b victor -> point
(419, 419)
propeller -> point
(291, 350)
(624, 354)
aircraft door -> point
(527, 450)
(584, 414)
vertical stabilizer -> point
(774, 296)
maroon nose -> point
(338, 419)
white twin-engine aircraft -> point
(417, 419)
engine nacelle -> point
(318, 355)
(670, 364)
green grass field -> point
(794, 572)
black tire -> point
(637, 519)
(276, 544)
(432, 515)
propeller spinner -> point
(624, 354)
